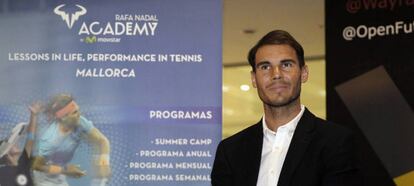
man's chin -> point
(281, 102)
(74, 124)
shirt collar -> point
(289, 126)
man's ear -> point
(253, 78)
(304, 73)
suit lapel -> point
(300, 141)
(253, 150)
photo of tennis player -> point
(56, 145)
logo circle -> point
(21, 179)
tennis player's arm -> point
(97, 138)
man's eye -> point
(287, 64)
(264, 67)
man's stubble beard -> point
(287, 103)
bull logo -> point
(70, 19)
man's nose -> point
(276, 73)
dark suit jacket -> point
(320, 154)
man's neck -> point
(278, 116)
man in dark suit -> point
(289, 146)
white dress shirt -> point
(275, 147)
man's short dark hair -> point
(276, 37)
